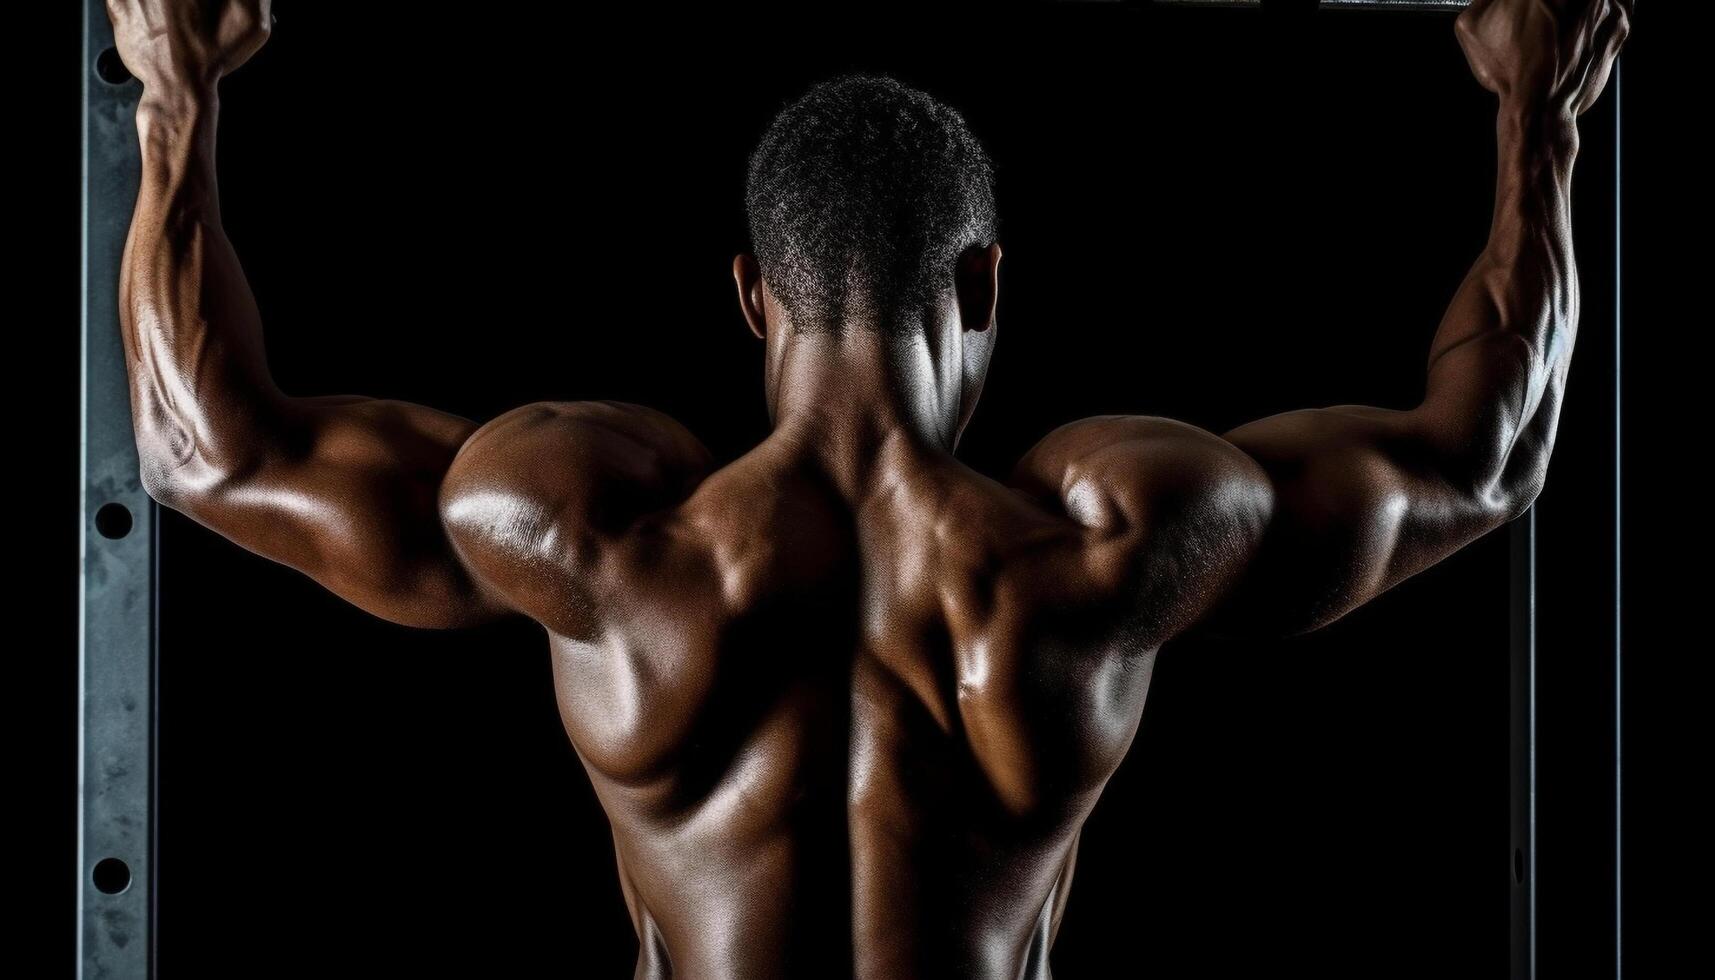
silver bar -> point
(1347, 4)
(1398, 4)
(1619, 866)
(1522, 756)
(116, 630)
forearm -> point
(203, 401)
(1497, 366)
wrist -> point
(176, 114)
(1537, 129)
(176, 98)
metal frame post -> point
(1619, 554)
(1522, 746)
(116, 630)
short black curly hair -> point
(861, 196)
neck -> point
(856, 398)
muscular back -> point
(845, 736)
(847, 703)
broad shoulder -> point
(1175, 513)
(1116, 472)
(533, 495)
(629, 433)
(570, 450)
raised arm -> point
(342, 488)
(1365, 497)
(1288, 523)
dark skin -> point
(846, 702)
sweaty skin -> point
(846, 702)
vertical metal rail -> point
(1522, 746)
(116, 630)
(1619, 564)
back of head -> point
(861, 197)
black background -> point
(1212, 215)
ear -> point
(977, 283)
(747, 275)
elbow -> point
(1525, 473)
(161, 481)
(177, 484)
(1502, 471)
(165, 456)
(1498, 486)
(1515, 500)
(1492, 504)
(182, 477)
(1520, 482)
(1498, 503)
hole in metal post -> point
(113, 521)
(111, 876)
(110, 69)
(1518, 866)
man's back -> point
(842, 735)
(846, 702)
